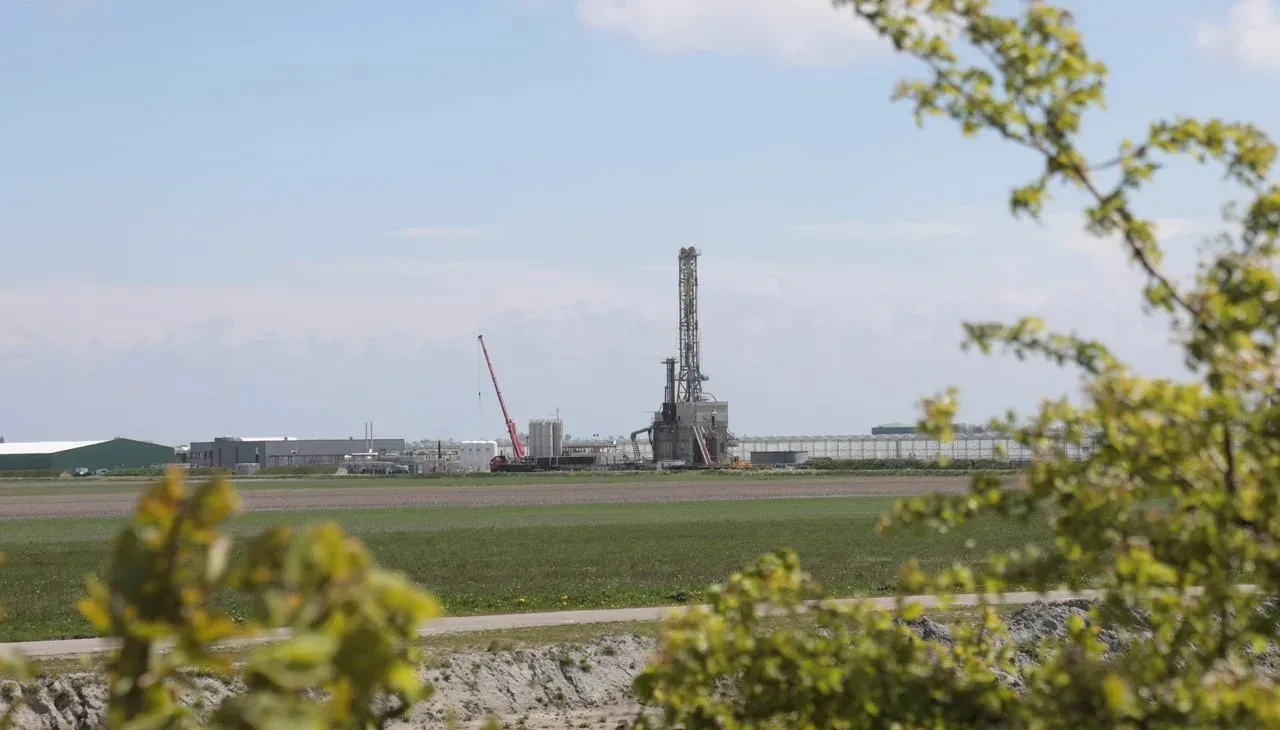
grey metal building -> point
(270, 451)
(778, 458)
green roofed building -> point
(67, 456)
(893, 429)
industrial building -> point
(228, 452)
(778, 458)
(903, 429)
(893, 429)
(109, 454)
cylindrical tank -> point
(557, 438)
(539, 446)
(546, 438)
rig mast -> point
(690, 378)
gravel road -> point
(118, 504)
(503, 622)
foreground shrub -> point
(347, 662)
(1175, 506)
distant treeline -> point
(824, 464)
(28, 473)
(159, 471)
(299, 471)
(54, 473)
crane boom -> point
(512, 433)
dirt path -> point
(118, 504)
(472, 624)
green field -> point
(506, 559)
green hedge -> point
(159, 471)
(299, 471)
(825, 464)
(28, 473)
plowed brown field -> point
(122, 503)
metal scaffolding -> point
(690, 378)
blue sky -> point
(295, 217)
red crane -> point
(511, 425)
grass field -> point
(505, 559)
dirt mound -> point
(549, 687)
(930, 630)
(539, 685)
(537, 689)
(1036, 622)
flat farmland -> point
(107, 499)
(485, 549)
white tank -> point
(476, 455)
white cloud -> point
(898, 229)
(970, 225)
(996, 268)
(797, 32)
(962, 223)
(437, 232)
(1248, 34)
(361, 300)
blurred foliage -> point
(344, 658)
(1175, 512)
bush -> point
(954, 465)
(299, 471)
(29, 473)
(144, 472)
(1174, 514)
(351, 626)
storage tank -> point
(539, 446)
(476, 455)
(546, 438)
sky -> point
(294, 217)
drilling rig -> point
(692, 427)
